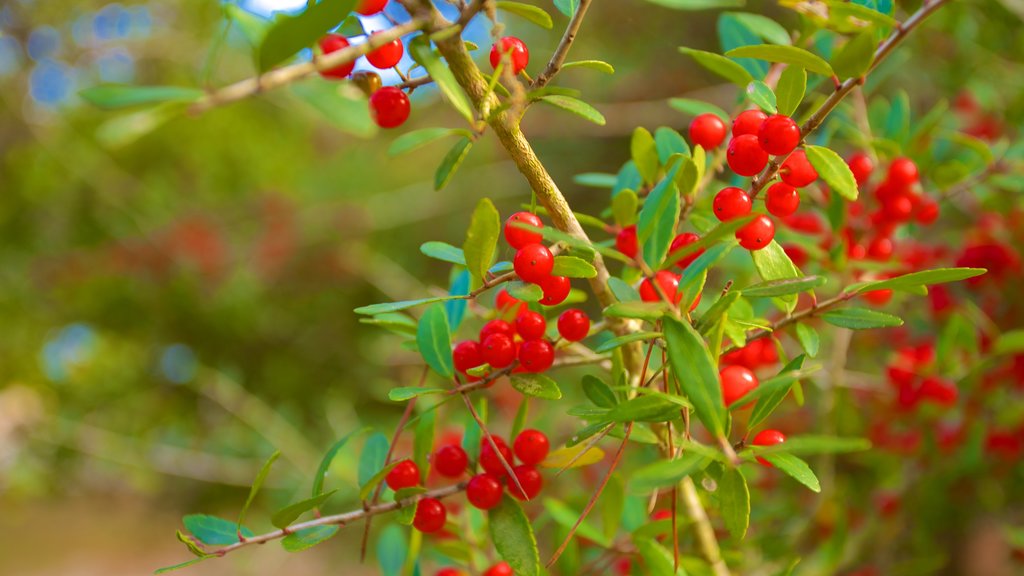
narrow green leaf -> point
(854, 59)
(666, 472)
(116, 96)
(366, 489)
(451, 162)
(375, 451)
(609, 345)
(716, 312)
(404, 393)
(694, 368)
(531, 13)
(598, 392)
(785, 54)
(790, 90)
(734, 498)
(762, 96)
(567, 7)
(784, 287)
(256, 485)
(809, 339)
(343, 105)
(645, 154)
(595, 180)
(922, 278)
(482, 239)
(167, 569)
(657, 559)
(416, 139)
(773, 391)
(763, 26)
(291, 33)
(1011, 342)
(374, 309)
(566, 517)
(325, 462)
(639, 310)
(513, 537)
(444, 252)
(424, 55)
(536, 385)
(623, 292)
(191, 545)
(857, 14)
(833, 170)
(814, 445)
(720, 65)
(307, 537)
(577, 107)
(795, 468)
(624, 206)
(285, 516)
(861, 318)
(724, 230)
(213, 530)
(433, 337)
(573, 267)
(698, 4)
(612, 505)
(423, 442)
(692, 107)
(599, 65)
(646, 408)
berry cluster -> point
(665, 281)
(756, 354)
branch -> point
(802, 315)
(558, 58)
(705, 532)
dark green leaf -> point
(424, 55)
(325, 462)
(694, 368)
(536, 385)
(256, 485)
(435, 342)
(716, 312)
(366, 489)
(855, 57)
(609, 345)
(861, 318)
(623, 292)
(444, 252)
(285, 516)
(291, 33)
(307, 538)
(115, 96)
(451, 162)
(573, 267)
(567, 7)
(766, 28)
(669, 142)
(647, 408)
(656, 225)
(392, 550)
(526, 11)
(720, 65)
(657, 559)
(773, 391)
(785, 54)
(734, 498)
(423, 441)
(790, 90)
(513, 537)
(624, 207)
(784, 287)
(482, 239)
(814, 445)
(567, 517)
(213, 530)
(577, 107)
(833, 170)
(598, 392)
(372, 459)
(796, 468)
(723, 230)
(666, 472)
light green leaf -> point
(308, 537)
(375, 451)
(451, 162)
(645, 154)
(624, 206)
(404, 393)
(772, 263)
(167, 569)
(536, 385)
(573, 267)
(773, 391)
(808, 338)
(720, 65)
(647, 408)
(116, 96)
(256, 485)
(762, 96)
(531, 13)
(763, 26)
(694, 368)
(343, 105)
(833, 170)
(567, 7)
(861, 318)
(692, 107)
(854, 59)
(374, 309)
(657, 559)
(814, 445)
(366, 489)
(656, 224)
(790, 90)
(599, 65)
(922, 278)
(734, 498)
(795, 468)
(434, 340)
(325, 462)
(698, 4)
(784, 287)
(424, 55)
(444, 252)
(482, 239)
(513, 537)
(785, 54)
(640, 310)
(576, 106)
(291, 33)
(666, 472)
(285, 516)
(609, 345)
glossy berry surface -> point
(737, 381)
(519, 237)
(626, 242)
(499, 569)
(731, 202)
(556, 290)
(782, 200)
(531, 325)
(536, 355)
(371, 7)
(708, 131)
(387, 55)
(529, 479)
(797, 170)
(498, 350)
(505, 301)
(489, 459)
(333, 43)
(533, 263)
(573, 325)
(497, 327)
(748, 122)
(516, 50)
(669, 284)
(389, 107)
(685, 239)
(531, 447)
(405, 474)
(757, 234)
(768, 438)
(450, 460)
(745, 155)
(903, 172)
(778, 135)
(430, 515)
(484, 491)
(862, 167)
(880, 248)
(466, 355)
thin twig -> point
(558, 57)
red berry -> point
(531, 447)
(782, 199)
(484, 491)
(797, 170)
(405, 474)
(556, 290)
(531, 325)
(861, 166)
(520, 56)
(489, 459)
(333, 43)
(466, 355)
(387, 55)
(430, 515)
(371, 7)
(390, 107)
(669, 284)
(499, 569)
(496, 327)
(757, 234)
(498, 350)
(748, 122)
(880, 248)
(536, 355)
(731, 203)
(530, 480)
(903, 172)
(685, 239)
(519, 237)
(707, 131)
(878, 297)
(779, 135)
(626, 241)
(898, 208)
(505, 301)
(573, 325)
(737, 381)
(745, 155)
(533, 263)
(768, 438)
(449, 571)
(450, 460)
(927, 212)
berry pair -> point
(430, 513)
(665, 286)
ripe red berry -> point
(880, 248)
(519, 237)
(484, 491)
(685, 239)
(449, 571)
(530, 480)
(707, 131)
(466, 355)
(489, 459)
(861, 166)
(748, 122)
(745, 155)
(450, 460)
(405, 474)
(626, 241)
(797, 170)
(878, 297)
(505, 301)
(430, 515)
(496, 327)
(768, 438)
(779, 135)
(903, 172)
(499, 569)
(927, 212)
(390, 107)
(531, 325)
(519, 55)
(737, 381)
(782, 199)
(757, 234)
(669, 284)
(371, 7)
(333, 43)
(573, 325)
(387, 55)
(556, 290)
(533, 263)
(898, 208)
(498, 350)
(531, 447)
(731, 202)
(536, 355)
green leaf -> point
(647, 408)
(694, 368)
(573, 267)
(734, 498)
(350, 27)
(423, 441)
(325, 462)
(536, 385)
(567, 7)
(595, 179)
(566, 517)
(856, 14)
(698, 4)
(576, 106)
(343, 105)
(375, 451)
(1011, 342)
(762, 96)
(482, 239)
(612, 505)
(659, 216)
(639, 310)
(213, 530)
(285, 516)
(784, 287)
(790, 90)
(444, 252)
(922, 278)
(724, 230)
(598, 392)
(167, 569)
(720, 65)
(366, 489)
(424, 55)
(657, 559)
(374, 309)
(624, 206)
(855, 57)
(609, 345)
(451, 162)
(307, 537)
(766, 28)
(599, 65)
(692, 107)
(645, 154)
(404, 393)
(115, 96)
(861, 318)
(513, 537)
(808, 338)
(434, 340)
(191, 545)
(773, 391)
(623, 292)
(256, 485)
(772, 263)
(252, 27)
(814, 445)
(795, 468)
(418, 138)
(669, 142)
(717, 310)
(291, 33)
(392, 550)
(785, 54)
(833, 170)
(531, 13)
(666, 472)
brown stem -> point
(705, 532)
(801, 315)
(558, 57)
